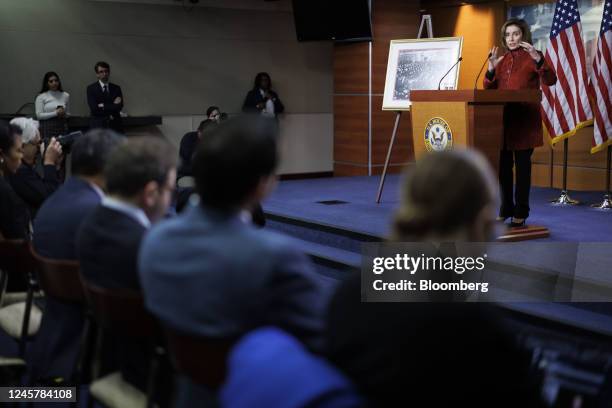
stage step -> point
(333, 262)
(334, 248)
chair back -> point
(203, 360)
(122, 311)
(15, 256)
(60, 279)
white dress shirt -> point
(269, 109)
(128, 209)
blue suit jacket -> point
(59, 218)
(212, 275)
(269, 368)
(55, 231)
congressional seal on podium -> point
(438, 135)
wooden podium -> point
(467, 118)
(475, 117)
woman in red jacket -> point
(520, 67)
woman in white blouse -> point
(52, 107)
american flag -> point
(565, 105)
(601, 81)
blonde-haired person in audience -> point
(402, 352)
(449, 196)
(31, 187)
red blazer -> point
(522, 121)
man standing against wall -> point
(105, 100)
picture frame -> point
(419, 64)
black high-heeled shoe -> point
(514, 224)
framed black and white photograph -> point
(420, 64)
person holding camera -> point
(27, 183)
(14, 215)
(52, 107)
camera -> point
(67, 140)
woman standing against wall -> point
(262, 98)
(521, 66)
(52, 107)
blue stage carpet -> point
(299, 199)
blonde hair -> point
(521, 24)
(445, 192)
(29, 128)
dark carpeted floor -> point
(299, 198)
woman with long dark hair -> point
(262, 99)
(520, 66)
(52, 107)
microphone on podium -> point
(448, 72)
(481, 68)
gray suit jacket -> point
(211, 274)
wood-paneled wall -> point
(361, 129)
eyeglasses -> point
(53, 80)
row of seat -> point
(112, 311)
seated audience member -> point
(56, 345)
(140, 178)
(14, 214)
(30, 186)
(188, 146)
(61, 214)
(209, 273)
(448, 354)
(262, 99)
(270, 368)
(213, 113)
(189, 143)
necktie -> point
(105, 89)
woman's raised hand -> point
(533, 53)
(494, 59)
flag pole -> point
(564, 198)
(606, 204)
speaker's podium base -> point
(515, 234)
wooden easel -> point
(425, 23)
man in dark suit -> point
(140, 177)
(428, 348)
(188, 146)
(209, 272)
(105, 100)
(55, 229)
(61, 214)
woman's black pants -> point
(515, 201)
